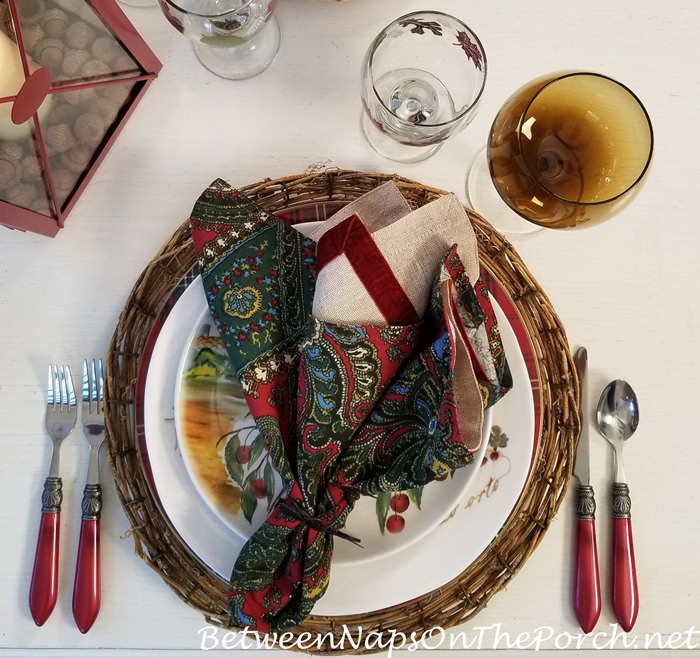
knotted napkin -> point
(367, 350)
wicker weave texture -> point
(455, 602)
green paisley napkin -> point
(346, 407)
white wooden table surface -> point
(628, 290)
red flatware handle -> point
(586, 576)
(86, 588)
(625, 594)
(43, 591)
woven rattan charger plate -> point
(455, 602)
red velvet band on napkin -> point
(352, 239)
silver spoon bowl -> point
(618, 418)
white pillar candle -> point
(11, 81)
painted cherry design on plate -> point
(243, 454)
(492, 455)
(395, 523)
(399, 502)
(258, 488)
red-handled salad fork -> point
(86, 589)
(61, 414)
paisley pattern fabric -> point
(344, 409)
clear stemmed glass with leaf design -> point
(236, 39)
(422, 80)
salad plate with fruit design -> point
(223, 452)
(231, 469)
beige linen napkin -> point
(414, 248)
(414, 244)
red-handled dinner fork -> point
(61, 414)
(86, 589)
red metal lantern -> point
(71, 73)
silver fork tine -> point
(64, 390)
(86, 387)
(49, 389)
(70, 388)
(101, 385)
(56, 388)
(93, 386)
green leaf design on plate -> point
(269, 477)
(415, 496)
(256, 449)
(498, 438)
(235, 470)
(383, 501)
(249, 503)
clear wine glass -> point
(422, 80)
(567, 150)
(236, 39)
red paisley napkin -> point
(356, 388)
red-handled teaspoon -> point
(618, 417)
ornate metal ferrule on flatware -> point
(585, 503)
(52, 495)
(621, 501)
(92, 502)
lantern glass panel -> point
(80, 121)
(72, 40)
(23, 181)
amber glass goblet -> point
(567, 150)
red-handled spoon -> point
(618, 417)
